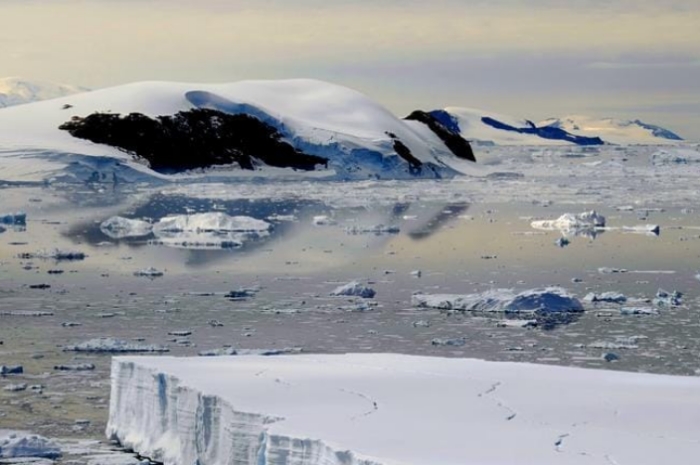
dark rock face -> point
(197, 138)
(546, 132)
(452, 139)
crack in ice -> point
(375, 405)
(499, 402)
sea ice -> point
(548, 300)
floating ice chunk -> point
(75, 367)
(416, 273)
(228, 351)
(58, 255)
(26, 313)
(620, 342)
(648, 229)
(15, 387)
(516, 323)
(548, 300)
(668, 299)
(180, 333)
(11, 370)
(149, 272)
(111, 345)
(638, 311)
(354, 289)
(562, 242)
(208, 230)
(118, 227)
(323, 220)
(14, 219)
(210, 222)
(377, 230)
(613, 297)
(607, 270)
(451, 342)
(242, 294)
(583, 224)
(20, 444)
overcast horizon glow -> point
(529, 58)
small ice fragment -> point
(75, 367)
(181, 333)
(111, 345)
(562, 242)
(516, 323)
(612, 297)
(354, 289)
(11, 370)
(149, 272)
(649, 229)
(15, 387)
(638, 311)
(454, 342)
(323, 220)
(668, 299)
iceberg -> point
(548, 300)
(584, 224)
(390, 409)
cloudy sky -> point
(528, 58)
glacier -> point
(373, 409)
(359, 138)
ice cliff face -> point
(156, 415)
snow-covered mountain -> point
(18, 91)
(612, 130)
(357, 137)
(487, 127)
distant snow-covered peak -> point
(17, 91)
(613, 130)
(489, 127)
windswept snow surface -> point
(316, 117)
(376, 409)
(18, 91)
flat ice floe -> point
(376, 409)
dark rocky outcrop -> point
(451, 138)
(192, 139)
